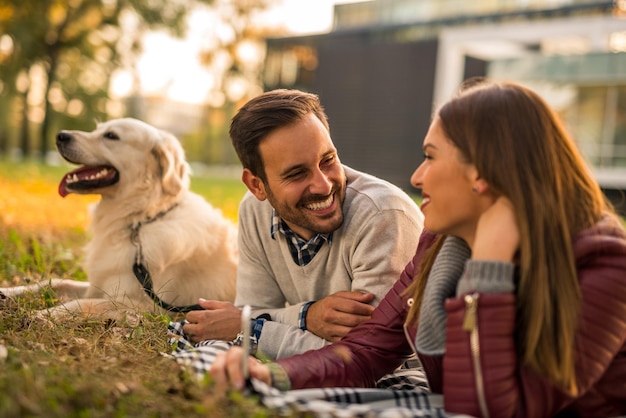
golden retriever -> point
(147, 225)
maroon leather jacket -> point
(480, 373)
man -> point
(320, 244)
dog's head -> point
(123, 156)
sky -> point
(170, 66)
(307, 16)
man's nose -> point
(320, 184)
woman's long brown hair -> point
(521, 149)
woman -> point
(515, 301)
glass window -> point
(597, 120)
(587, 120)
(619, 151)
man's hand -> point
(218, 321)
(333, 316)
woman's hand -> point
(227, 370)
(497, 233)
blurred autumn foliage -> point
(58, 59)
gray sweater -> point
(368, 252)
(455, 273)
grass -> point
(79, 367)
(85, 368)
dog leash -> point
(141, 271)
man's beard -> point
(302, 217)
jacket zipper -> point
(407, 334)
(470, 324)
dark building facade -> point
(387, 64)
(377, 93)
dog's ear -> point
(174, 169)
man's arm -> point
(377, 253)
(283, 340)
(333, 316)
(255, 283)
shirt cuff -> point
(257, 327)
(302, 317)
(280, 378)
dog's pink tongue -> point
(63, 190)
(86, 179)
(76, 174)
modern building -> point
(387, 64)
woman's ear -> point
(254, 184)
(479, 185)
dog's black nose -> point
(63, 137)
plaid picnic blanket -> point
(403, 393)
(197, 357)
(352, 402)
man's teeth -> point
(74, 178)
(321, 205)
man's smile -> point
(321, 205)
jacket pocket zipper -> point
(470, 324)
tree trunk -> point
(24, 131)
(45, 124)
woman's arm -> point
(482, 370)
(369, 351)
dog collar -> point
(141, 271)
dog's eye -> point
(111, 135)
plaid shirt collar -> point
(302, 251)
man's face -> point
(306, 183)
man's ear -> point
(254, 184)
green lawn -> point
(86, 368)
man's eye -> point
(111, 135)
(328, 160)
(295, 175)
